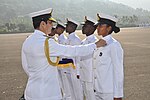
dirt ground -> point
(136, 45)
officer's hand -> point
(117, 98)
(100, 43)
(78, 76)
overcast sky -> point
(145, 4)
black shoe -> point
(22, 97)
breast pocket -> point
(103, 57)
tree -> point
(7, 26)
(22, 27)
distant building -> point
(144, 25)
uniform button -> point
(95, 77)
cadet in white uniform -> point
(60, 28)
(108, 61)
(62, 39)
(73, 39)
(86, 64)
(43, 83)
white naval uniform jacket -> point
(62, 39)
(108, 62)
(43, 83)
(72, 40)
(86, 64)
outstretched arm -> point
(73, 51)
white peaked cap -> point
(102, 15)
(88, 19)
(73, 21)
(42, 12)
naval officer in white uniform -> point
(43, 83)
(62, 39)
(72, 40)
(86, 63)
(108, 61)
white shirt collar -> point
(90, 37)
(108, 39)
(61, 36)
(71, 35)
(39, 32)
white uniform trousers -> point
(68, 87)
(104, 96)
(88, 90)
(61, 82)
(77, 86)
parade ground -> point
(136, 45)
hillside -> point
(12, 10)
